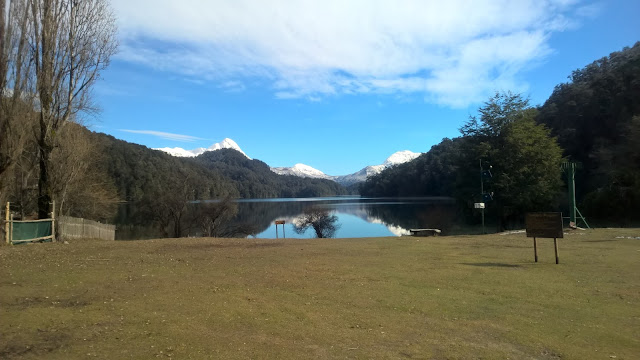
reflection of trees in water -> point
(263, 214)
(323, 223)
(415, 216)
(134, 223)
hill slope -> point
(138, 171)
(254, 178)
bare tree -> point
(17, 99)
(70, 41)
(80, 189)
(322, 222)
(168, 205)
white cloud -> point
(165, 135)
(455, 52)
(233, 86)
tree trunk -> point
(177, 227)
(44, 183)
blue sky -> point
(338, 85)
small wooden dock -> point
(425, 232)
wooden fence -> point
(73, 228)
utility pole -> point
(570, 168)
(571, 183)
(481, 205)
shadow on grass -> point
(492, 265)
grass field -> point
(463, 297)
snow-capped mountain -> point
(303, 170)
(224, 144)
(399, 158)
(362, 175)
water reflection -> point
(358, 217)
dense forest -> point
(594, 118)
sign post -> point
(481, 207)
(280, 222)
(545, 225)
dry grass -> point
(461, 297)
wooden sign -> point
(544, 225)
(279, 222)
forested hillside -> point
(595, 119)
(431, 174)
(138, 171)
(254, 178)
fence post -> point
(11, 230)
(7, 224)
(53, 221)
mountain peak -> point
(226, 143)
(400, 157)
(301, 170)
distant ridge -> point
(303, 170)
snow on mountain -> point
(400, 157)
(224, 144)
(301, 170)
(359, 176)
(362, 175)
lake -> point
(357, 216)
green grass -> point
(462, 297)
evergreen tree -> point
(522, 158)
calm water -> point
(357, 216)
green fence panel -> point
(31, 230)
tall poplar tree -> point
(71, 41)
